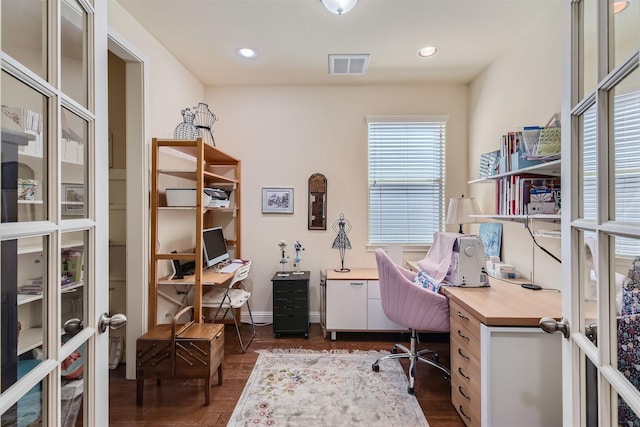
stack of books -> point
(31, 287)
(528, 194)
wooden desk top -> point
(209, 277)
(507, 304)
(354, 274)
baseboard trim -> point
(266, 317)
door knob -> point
(114, 322)
(73, 326)
(551, 325)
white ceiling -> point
(295, 37)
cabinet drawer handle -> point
(462, 316)
(463, 393)
(463, 336)
(356, 284)
(463, 414)
(462, 354)
(462, 373)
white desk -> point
(505, 371)
(350, 301)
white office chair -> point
(230, 298)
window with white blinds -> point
(626, 134)
(406, 179)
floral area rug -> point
(310, 388)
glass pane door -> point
(603, 221)
(49, 235)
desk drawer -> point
(468, 410)
(465, 342)
(465, 372)
(282, 323)
(464, 321)
(293, 287)
(289, 310)
(290, 293)
(465, 386)
(465, 364)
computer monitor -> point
(214, 246)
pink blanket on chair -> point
(437, 261)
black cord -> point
(536, 242)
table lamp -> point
(460, 211)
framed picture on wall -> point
(73, 199)
(277, 200)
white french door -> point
(54, 213)
(601, 212)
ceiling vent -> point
(348, 64)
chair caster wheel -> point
(411, 390)
(375, 367)
(394, 350)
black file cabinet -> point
(291, 303)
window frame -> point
(430, 123)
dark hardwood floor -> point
(181, 403)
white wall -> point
(170, 86)
(283, 135)
(522, 88)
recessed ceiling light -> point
(620, 5)
(245, 52)
(427, 51)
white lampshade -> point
(339, 7)
(461, 209)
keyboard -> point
(230, 268)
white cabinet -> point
(346, 305)
(535, 399)
(376, 319)
(351, 302)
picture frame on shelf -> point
(277, 200)
(489, 164)
(73, 199)
(491, 236)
